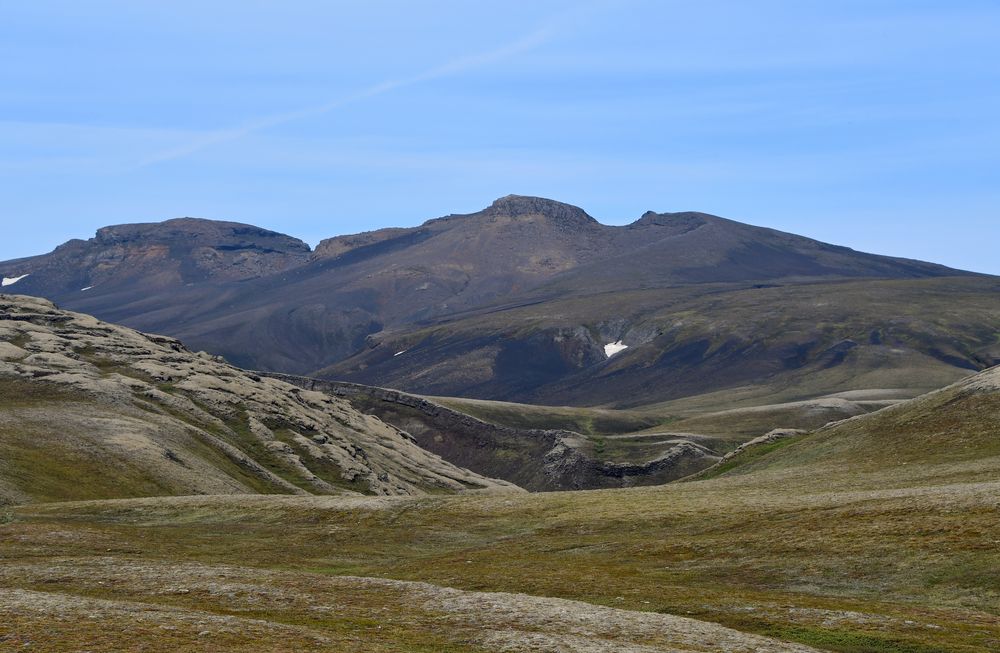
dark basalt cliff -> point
(158, 257)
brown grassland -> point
(879, 534)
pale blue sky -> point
(871, 123)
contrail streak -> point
(454, 67)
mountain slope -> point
(781, 343)
(93, 410)
(157, 256)
(667, 249)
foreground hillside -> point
(532, 300)
(876, 534)
(93, 410)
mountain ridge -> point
(266, 301)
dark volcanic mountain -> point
(168, 254)
(517, 301)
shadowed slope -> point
(780, 343)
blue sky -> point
(873, 124)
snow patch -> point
(398, 353)
(613, 348)
(87, 288)
(10, 281)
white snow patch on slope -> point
(10, 281)
(613, 348)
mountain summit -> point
(522, 205)
(159, 255)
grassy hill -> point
(91, 410)
(954, 431)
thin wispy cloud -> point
(450, 68)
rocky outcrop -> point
(177, 422)
(157, 255)
(339, 245)
(769, 437)
(540, 207)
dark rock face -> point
(520, 206)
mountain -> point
(532, 300)
(93, 410)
